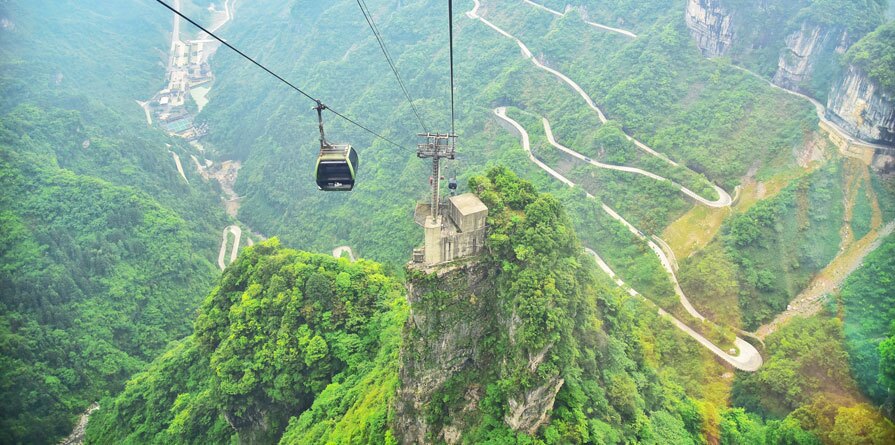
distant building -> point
(458, 231)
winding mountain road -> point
(819, 108)
(594, 24)
(234, 251)
(526, 144)
(748, 358)
(821, 114)
(473, 14)
(338, 251)
(724, 199)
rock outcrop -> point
(804, 49)
(447, 324)
(528, 411)
(453, 321)
(859, 106)
(710, 25)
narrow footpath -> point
(179, 166)
(811, 300)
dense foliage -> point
(875, 54)
(868, 303)
(106, 250)
(291, 334)
(284, 334)
(90, 292)
(768, 254)
(806, 379)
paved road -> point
(748, 358)
(179, 166)
(229, 17)
(337, 252)
(234, 251)
(594, 24)
(821, 114)
(724, 199)
(502, 113)
(175, 34)
(473, 14)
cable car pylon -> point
(437, 146)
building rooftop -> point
(468, 204)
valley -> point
(688, 223)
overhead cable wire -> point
(277, 76)
(388, 58)
(451, 38)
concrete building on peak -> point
(457, 232)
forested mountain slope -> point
(284, 330)
(106, 249)
(657, 87)
(284, 324)
(867, 300)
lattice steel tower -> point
(437, 146)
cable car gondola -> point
(336, 169)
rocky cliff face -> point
(448, 348)
(805, 48)
(860, 107)
(444, 344)
(711, 25)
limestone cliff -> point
(710, 25)
(454, 326)
(860, 106)
(494, 345)
(798, 44)
(805, 49)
